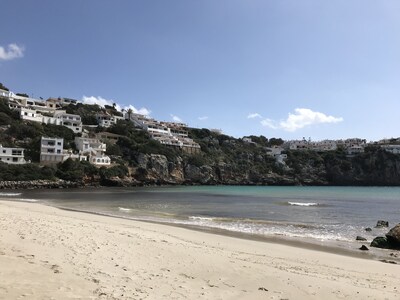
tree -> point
(2, 87)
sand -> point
(48, 253)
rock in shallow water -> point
(364, 248)
(380, 242)
(393, 236)
(360, 238)
(381, 224)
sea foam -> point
(303, 203)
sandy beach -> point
(48, 253)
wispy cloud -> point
(254, 115)
(101, 102)
(12, 51)
(176, 118)
(301, 118)
(202, 118)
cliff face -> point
(372, 168)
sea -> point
(316, 214)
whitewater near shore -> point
(48, 253)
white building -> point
(325, 145)
(106, 120)
(395, 149)
(70, 121)
(167, 133)
(354, 150)
(276, 152)
(4, 93)
(51, 150)
(12, 155)
(93, 149)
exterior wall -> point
(70, 121)
(12, 155)
(100, 160)
(51, 150)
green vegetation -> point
(2, 87)
(25, 172)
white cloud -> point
(301, 118)
(176, 118)
(143, 111)
(203, 118)
(254, 115)
(269, 123)
(101, 102)
(11, 52)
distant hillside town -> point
(87, 144)
(91, 149)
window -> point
(15, 159)
(59, 143)
(58, 151)
(4, 151)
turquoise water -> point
(320, 213)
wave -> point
(199, 218)
(24, 200)
(10, 194)
(124, 209)
(303, 203)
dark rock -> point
(388, 261)
(393, 236)
(364, 248)
(380, 242)
(360, 238)
(368, 229)
(381, 224)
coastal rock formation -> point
(360, 238)
(393, 236)
(390, 241)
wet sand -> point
(48, 253)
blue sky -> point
(290, 69)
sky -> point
(283, 68)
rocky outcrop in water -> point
(390, 241)
(393, 236)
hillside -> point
(140, 160)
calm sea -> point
(315, 213)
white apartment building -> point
(51, 150)
(106, 120)
(12, 155)
(60, 117)
(70, 121)
(94, 150)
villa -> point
(12, 155)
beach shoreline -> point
(48, 252)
